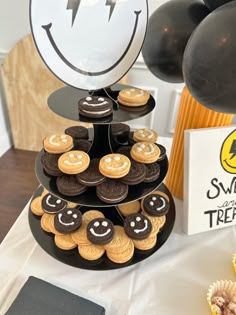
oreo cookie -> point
(68, 220)
(50, 164)
(91, 176)
(125, 150)
(100, 231)
(69, 186)
(120, 132)
(112, 191)
(77, 132)
(155, 205)
(131, 140)
(152, 172)
(137, 226)
(162, 152)
(95, 106)
(52, 204)
(82, 145)
(136, 174)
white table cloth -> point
(173, 281)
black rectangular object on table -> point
(38, 297)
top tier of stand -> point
(64, 102)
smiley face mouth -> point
(226, 162)
(143, 229)
(64, 223)
(47, 28)
(100, 235)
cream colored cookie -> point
(133, 97)
(145, 152)
(80, 236)
(65, 242)
(45, 192)
(158, 192)
(155, 224)
(129, 208)
(146, 244)
(114, 165)
(119, 242)
(90, 215)
(36, 206)
(91, 252)
(73, 162)
(52, 226)
(72, 205)
(122, 257)
(45, 222)
(145, 135)
(58, 143)
(162, 221)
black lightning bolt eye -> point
(112, 4)
(233, 149)
(74, 6)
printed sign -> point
(89, 44)
(209, 179)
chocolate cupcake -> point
(221, 298)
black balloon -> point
(209, 64)
(213, 4)
(169, 29)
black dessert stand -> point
(72, 257)
(64, 102)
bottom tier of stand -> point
(72, 257)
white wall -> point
(14, 24)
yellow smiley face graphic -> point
(228, 153)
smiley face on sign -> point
(89, 44)
(228, 153)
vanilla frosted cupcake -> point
(234, 263)
(221, 298)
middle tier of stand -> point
(89, 198)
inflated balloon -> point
(169, 29)
(209, 65)
(213, 4)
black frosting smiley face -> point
(52, 204)
(137, 226)
(82, 42)
(156, 205)
(100, 231)
(68, 220)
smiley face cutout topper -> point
(228, 153)
(89, 44)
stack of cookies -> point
(95, 107)
(93, 234)
(152, 209)
(133, 97)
